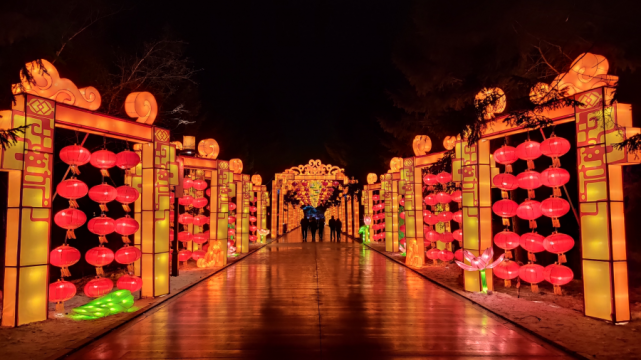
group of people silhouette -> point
(311, 224)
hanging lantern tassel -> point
(556, 223)
(562, 259)
(64, 272)
(535, 288)
(557, 290)
(504, 194)
(130, 268)
(508, 283)
(125, 239)
(99, 271)
(531, 256)
(103, 207)
(60, 307)
(448, 246)
(102, 239)
(556, 162)
(70, 234)
(506, 221)
(532, 224)
(530, 165)
(531, 194)
(104, 172)
(73, 204)
(508, 254)
(556, 192)
(435, 262)
(126, 208)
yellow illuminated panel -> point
(34, 244)
(618, 231)
(472, 281)
(85, 120)
(147, 275)
(616, 183)
(148, 189)
(621, 291)
(32, 294)
(147, 231)
(161, 243)
(470, 229)
(485, 186)
(161, 274)
(13, 193)
(13, 232)
(12, 156)
(486, 228)
(594, 231)
(596, 283)
(9, 298)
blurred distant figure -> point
(321, 228)
(339, 227)
(304, 224)
(313, 225)
(332, 229)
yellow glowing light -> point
(371, 178)
(498, 105)
(257, 180)
(236, 166)
(449, 142)
(189, 142)
(422, 144)
(208, 148)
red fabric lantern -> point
(126, 226)
(127, 255)
(555, 178)
(98, 287)
(72, 190)
(506, 155)
(129, 282)
(444, 216)
(208, 192)
(559, 243)
(253, 228)
(126, 195)
(232, 206)
(70, 219)
(533, 243)
(558, 275)
(506, 209)
(432, 236)
(103, 194)
(458, 235)
(457, 196)
(431, 219)
(529, 151)
(253, 219)
(127, 159)
(198, 254)
(74, 156)
(200, 238)
(529, 210)
(507, 240)
(200, 202)
(430, 179)
(431, 200)
(99, 256)
(61, 291)
(458, 216)
(184, 255)
(103, 160)
(253, 237)
(253, 209)
(444, 177)
(102, 226)
(445, 255)
(231, 219)
(375, 198)
(188, 183)
(529, 180)
(200, 220)
(555, 208)
(184, 236)
(185, 219)
(401, 201)
(63, 257)
(432, 254)
(443, 197)
(186, 200)
(447, 237)
(506, 182)
(532, 273)
(402, 215)
(200, 184)
(555, 147)
(507, 270)
(231, 232)
(458, 255)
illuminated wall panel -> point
(350, 216)
(357, 224)
(415, 245)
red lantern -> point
(61, 291)
(198, 254)
(102, 226)
(529, 151)
(558, 275)
(127, 159)
(506, 209)
(253, 219)
(507, 240)
(184, 255)
(184, 236)
(103, 194)
(533, 243)
(98, 287)
(432, 236)
(402, 215)
(232, 206)
(447, 237)
(186, 200)
(200, 202)
(185, 219)
(231, 232)
(72, 190)
(103, 160)
(457, 196)
(126, 226)
(208, 192)
(555, 147)
(444, 177)
(533, 274)
(127, 255)
(458, 235)
(444, 216)
(430, 179)
(431, 200)
(188, 183)
(507, 270)
(445, 255)
(74, 156)
(506, 155)
(70, 219)
(529, 180)
(253, 237)
(554, 178)
(375, 198)
(253, 228)
(200, 220)
(200, 238)
(431, 219)
(432, 254)
(558, 243)
(129, 282)
(529, 210)
(253, 209)
(200, 185)
(99, 256)
(401, 201)
(231, 219)
(126, 195)
(443, 197)
(458, 255)
(555, 208)
(506, 182)
(458, 216)
(63, 257)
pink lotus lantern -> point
(480, 263)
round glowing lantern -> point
(449, 142)
(72, 190)
(559, 244)
(506, 209)
(506, 182)
(231, 232)
(253, 208)
(208, 192)
(430, 179)
(188, 183)
(335, 183)
(431, 200)
(445, 255)
(253, 228)
(432, 236)
(199, 203)
(447, 237)
(132, 283)
(458, 235)
(444, 177)
(103, 160)
(74, 156)
(70, 219)
(98, 287)
(198, 254)
(444, 216)
(432, 254)
(529, 180)
(232, 206)
(126, 195)
(457, 196)
(200, 220)
(64, 256)
(555, 208)
(186, 200)
(402, 215)
(507, 240)
(102, 226)
(529, 151)
(184, 236)
(555, 147)
(375, 198)
(126, 226)
(558, 275)
(555, 178)
(99, 256)
(231, 219)
(200, 184)
(253, 237)
(458, 216)
(443, 197)
(127, 255)
(127, 159)
(200, 238)
(61, 291)
(103, 194)
(253, 219)
(529, 210)
(431, 219)
(533, 274)
(184, 255)
(507, 270)
(533, 243)
(506, 155)
(185, 219)
(458, 255)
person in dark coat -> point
(321, 228)
(339, 227)
(304, 224)
(332, 229)
(313, 225)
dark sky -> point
(284, 81)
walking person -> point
(332, 228)
(321, 228)
(339, 227)
(304, 224)
(313, 225)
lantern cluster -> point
(438, 221)
(378, 218)
(252, 220)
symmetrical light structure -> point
(241, 189)
(47, 104)
(259, 192)
(390, 192)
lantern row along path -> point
(313, 300)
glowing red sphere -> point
(200, 238)
(430, 179)
(445, 255)
(506, 240)
(103, 159)
(61, 291)
(458, 255)
(558, 243)
(505, 155)
(101, 225)
(231, 219)
(72, 189)
(505, 181)
(132, 283)
(99, 256)
(126, 226)
(188, 183)
(200, 184)
(103, 193)
(431, 200)
(555, 147)
(184, 236)
(232, 206)
(198, 254)
(558, 274)
(529, 210)
(529, 180)
(505, 208)
(127, 159)
(184, 255)
(444, 216)
(554, 177)
(70, 219)
(432, 253)
(458, 216)
(457, 196)
(75, 155)
(126, 194)
(507, 270)
(127, 255)
(531, 273)
(528, 150)
(200, 220)
(185, 219)
(532, 242)
(443, 197)
(64, 256)
(185, 200)
(554, 207)
(432, 236)
(447, 237)
(200, 202)
(458, 234)
(444, 177)
(431, 219)
(98, 287)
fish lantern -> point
(103, 194)
(506, 182)
(444, 216)
(98, 287)
(200, 220)
(184, 236)
(507, 240)
(185, 200)
(126, 226)
(200, 185)
(444, 177)
(457, 235)
(64, 256)
(74, 156)
(188, 183)
(99, 256)
(127, 160)
(432, 254)
(458, 216)
(126, 195)
(443, 197)
(445, 255)
(430, 180)
(555, 178)
(103, 160)
(199, 203)
(432, 236)
(198, 254)
(61, 291)
(506, 209)
(200, 238)
(555, 147)
(70, 219)
(132, 283)
(506, 155)
(529, 210)
(529, 180)
(558, 275)
(102, 226)
(507, 270)
(431, 200)
(532, 242)
(128, 255)
(232, 206)
(554, 208)
(559, 244)
(185, 219)
(231, 219)
(447, 237)
(529, 151)
(72, 190)
(533, 274)
(184, 255)
(431, 219)
(457, 196)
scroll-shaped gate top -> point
(315, 167)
